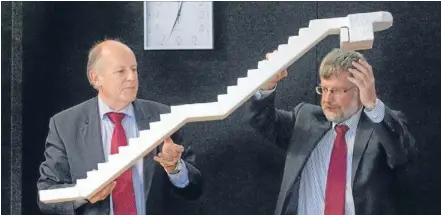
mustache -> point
(329, 105)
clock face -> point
(178, 25)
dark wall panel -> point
(6, 105)
(242, 172)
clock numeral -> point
(178, 40)
(201, 28)
(201, 15)
(157, 14)
(194, 39)
(163, 39)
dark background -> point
(44, 54)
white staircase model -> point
(356, 33)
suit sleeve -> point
(193, 189)
(55, 172)
(399, 144)
(274, 124)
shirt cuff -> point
(180, 179)
(261, 94)
(376, 114)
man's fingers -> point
(172, 149)
(366, 64)
(164, 156)
(361, 69)
(268, 55)
(284, 73)
(106, 191)
(356, 82)
(94, 199)
(111, 187)
(370, 72)
(102, 194)
(281, 75)
(174, 152)
(168, 140)
(163, 162)
(167, 159)
(179, 149)
(276, 77)
(168, 146)
(358, 75)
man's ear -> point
(94, 78)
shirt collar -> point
(104, 109)
(351, 122)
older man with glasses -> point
(340, 157)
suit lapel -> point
(362, 136)
(306, 137)
(143, 119)
(90, 136)
(91, 143)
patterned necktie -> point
(123, 195)
(336, 182)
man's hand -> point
(101, 195)
(170, 155)
(364, 79)
(276, 78)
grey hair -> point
(94, 56)
(338, 60)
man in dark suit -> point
(340, 157)
(82, 136)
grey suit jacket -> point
(74, 146)
(379, 149)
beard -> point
(337, 114)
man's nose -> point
(328, 96)
(132, 75)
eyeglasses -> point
(320, 90)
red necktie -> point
(123, 195)
(336, 182)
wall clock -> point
(171, 25)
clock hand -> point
(177, 18)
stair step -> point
(252, 73)
(303, 31)
(262, 64)
(231, 90)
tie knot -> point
(116, 117)
(341, 129)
